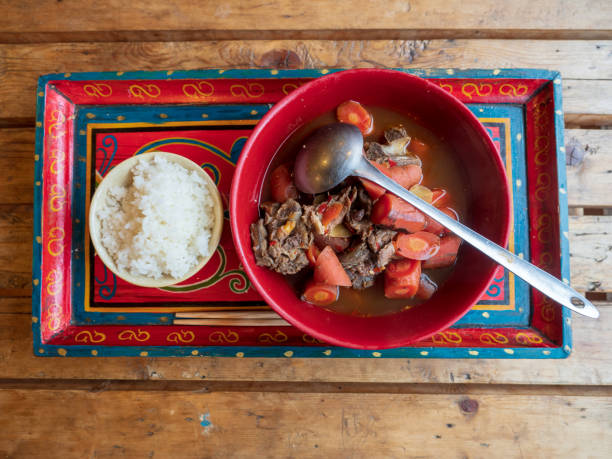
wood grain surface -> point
(224, 407)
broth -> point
(440, 170)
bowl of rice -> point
(156, 219)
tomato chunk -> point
(328, 269)
(320, 293)
(281, 184)
(417, 246)
(331, 213)
(446, 256)
(402, 278)
(352, 112)
(435, 227)
(392, 211)
(312, 254)
(440, 197)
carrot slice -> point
(418, 147)
(435, 227)
(352, 112)
(446, 256)
(331, 213)
(417, 246)
(427, 287)
(392, 211)
(402, 278)
(440, 197)
(407, 176)
(312, 253)
(328, 269)
(320, 293)
(281, 184)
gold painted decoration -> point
(527, 338)
(311, 339)
(508, 89)
(86, 336)
(98, 90)
(471, 89)
(288, 87)
(544, 229)
(493, 338)
(447, 87)
(198, 91)
(543, 183)
(251, 90)
(447, 337)
(148, 90)
(55, 246)
(56, 157)
(57, 196)
(131, 335)
(278, 337)
(182, 336)
(54, 317)
(223, 337)
(57, 120)
(542, 150)
(54, 282)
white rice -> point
(161, 224)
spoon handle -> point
(541, 280)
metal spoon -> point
(335, 151)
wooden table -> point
(174, 407)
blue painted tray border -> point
(260, 351)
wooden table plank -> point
(578, 61)
(163, 424)
(589, 364)
(35, 20)
(589, 172)
(591, 252)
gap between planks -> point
(93, 385)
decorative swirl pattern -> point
(56, 157)
(86, 336)
(288, 87)
(148, 90)
(219, 337)
(311, 339)
(543, 183)
(200, 90)
(482, 90)
(278, 337)
(106, 291)
(58, 119)
(54, 318)
(57, 195)
(447, 337)
(98, 90)
(238, 284)
(544, 228)
(216, 173)
(55, 246)
(493, 338)
(182, 336)
(107, 142)
(541, 150)
(252, 90)
(447, 87)
(54, 282)
(131, 335)
(527, 338)
(508, 89)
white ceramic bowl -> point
(120, 176)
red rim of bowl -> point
(234, 205)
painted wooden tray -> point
(89, 122)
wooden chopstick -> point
(234, 322)
(228, 315)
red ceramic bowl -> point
(447, 117)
